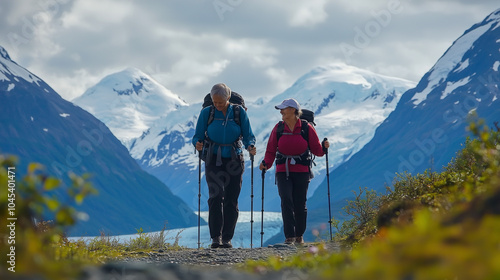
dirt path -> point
(207, 264)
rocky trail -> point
(205, 264)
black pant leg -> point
(285, 190)
(234, 168)
(224, 186)
(216, 180)
(300, 186)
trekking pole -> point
(251, 202)
(262, 216)
(199, 195)
(328, 184)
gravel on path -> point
(205, 264)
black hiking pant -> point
(293, 193)
(224, 186)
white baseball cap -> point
(288, 103)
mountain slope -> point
(39, 126)
(429, 124)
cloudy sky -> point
(257, 47)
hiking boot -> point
(290, 240)
(216, 243)
(299, 240)
(226, 244)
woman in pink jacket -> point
(291, 143)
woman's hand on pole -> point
(325, 144)
(263, 166)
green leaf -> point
(64, 217)
(51, 183)
(32, 167)
(52, 204)
(79, 198)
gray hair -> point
(221, 90)
(298, 112)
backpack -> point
(308, 115)
(235, 99)
(306, 158)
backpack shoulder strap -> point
(237, 114)
(305, 131)
(211, 115)
(280, 129)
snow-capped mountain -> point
(429, 124)
(37, 125)
(129, 102)
(349, 104)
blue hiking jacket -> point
(224, 130)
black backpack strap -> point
(279, 130)
(305, 131)
(237, 114)
(306, 158)
(210, 143)
(211, 115)
(305, 135)
(236, 111)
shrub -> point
(37, 243)
(362, 209)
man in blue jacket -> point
(218, 132)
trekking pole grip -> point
(325, 150)
(199, 152)
(251, 155)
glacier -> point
(188, 237)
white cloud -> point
(260, 47)
(91, 14)
(71, 85)
(203, 57)
(309, 13)
(256, 52)
(280, 76)
(192, 73)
